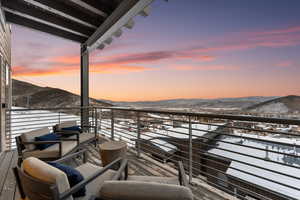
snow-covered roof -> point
(183, 131)
(163, 145)
(154, 116)
(261, 163)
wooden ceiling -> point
(75, 20)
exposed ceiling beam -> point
(84, 11)
(61, 9)
(26, 16)
(16, 19)
(2, 18)
(104, 5)
(127, 10)
(35, 12)
(89, 7)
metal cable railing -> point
(248, 157)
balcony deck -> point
(225, 154)
(142, 166)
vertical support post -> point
(190, 151)
(84, 85)
(112, 125)
(7, 135)
(138, 145)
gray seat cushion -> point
(93, 188)
(84, 137)
(155, 179)
(135, 190)
(66, 124)
(30, 136)
(46, 173)
(52, 151)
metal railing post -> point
(112, 125)
(100, 120)
(58, 117)
(138, 122)
(96, 122)
(190, 151)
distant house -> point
(178, 138)
(159, 148)
(235, 172)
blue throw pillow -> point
(74, 177)
(47, 137)
(72, 128)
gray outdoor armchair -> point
(148, 188)
(26, 146)
(85, 135)
(38, 180)
(179, 180)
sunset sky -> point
(184, 49)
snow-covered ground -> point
(271, 138)
(277, 107)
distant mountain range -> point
(33, 96)
(214, 104)
(283, 105)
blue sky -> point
(184, 49)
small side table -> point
(112, 150)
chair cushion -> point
(47, 137)
(44, 172)
(74, 177)
(84, 137)
(30, 136)
(155, 179)
(66, 124)
(93, 187)
(52, 151)
(135, 190)
(72, 128)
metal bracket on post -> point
(112, 125)
(138, 145)
(190, 151)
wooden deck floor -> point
(141, 166)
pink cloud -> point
(286, 63)
(204, 68)
(272, 39)
(134, 62)
(291, 29)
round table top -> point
(113, 145)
